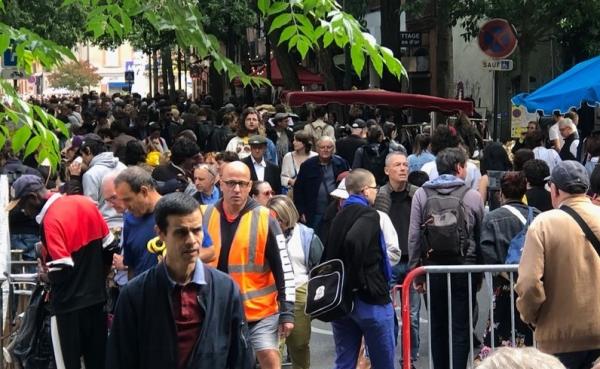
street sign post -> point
(497, 39)
(502, 65)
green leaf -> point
(263, 6)
(280, 21)
(20, 137)
(4, 41)
(288, 32)
(302, 46)
(32, 145)
(2, 140)
(327, 39)
(277, 7)
(377, 62)
(358, 58)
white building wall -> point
(467, 59)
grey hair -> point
(209, 168)
(520, 358)
(389, 156)
(357, 180)
(136, 177)
(567, 122)
(325, 138)
(110, 176)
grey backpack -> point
(444, 228)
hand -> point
(118, 262)
(285, 329)
(420, 287)
(291, 182)
(75, 168)
(42, 271)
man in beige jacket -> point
(559, 273)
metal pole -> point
(496, 135)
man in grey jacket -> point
(451, 165)
(99, 162)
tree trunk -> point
(168, 61)
(390, 27)
(150, 73)
(164, 71)
(179, 68)
(525, 53)
(216, 83)
(445, 73)
(348, 69)
(327, 69)
(155, 71)
(285, 61)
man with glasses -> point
(359, 242)
(251, 248)
(317, 177)
(260, 168)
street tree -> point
(75, 76)
(32, 129)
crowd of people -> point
(201, 225)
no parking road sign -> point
(497, 38)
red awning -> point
(305, 76)
(380, 97)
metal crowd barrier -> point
(449, 270)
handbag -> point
(327, 297)
(589, 234)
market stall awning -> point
(380, 97)
(305, 76)
(578, 85)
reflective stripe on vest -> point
(246, 263)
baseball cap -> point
(359, 123)
(23, 186)
(340, 192)
(570, 176)
(257, 140)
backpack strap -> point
(589, 234)
(518, 214)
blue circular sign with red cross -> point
(497, 38)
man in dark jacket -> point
(317, 177)
(358, 241)
(179, 314)
(347, 146)
(260, 168)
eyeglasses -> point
(372, 187)
(233, 184)
(268, 193)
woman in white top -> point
(304, 249)
(292, 160)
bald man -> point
(251, 248)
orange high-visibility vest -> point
(246, 263)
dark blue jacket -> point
(143, 333)
(310, 176)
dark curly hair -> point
(442, 138)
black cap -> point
(23, 186)
(359, 123)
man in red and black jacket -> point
(77, 250)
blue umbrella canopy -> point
(578, 85)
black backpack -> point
(373, 160)
(444, 229)
(327, 297)
(493, 190)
